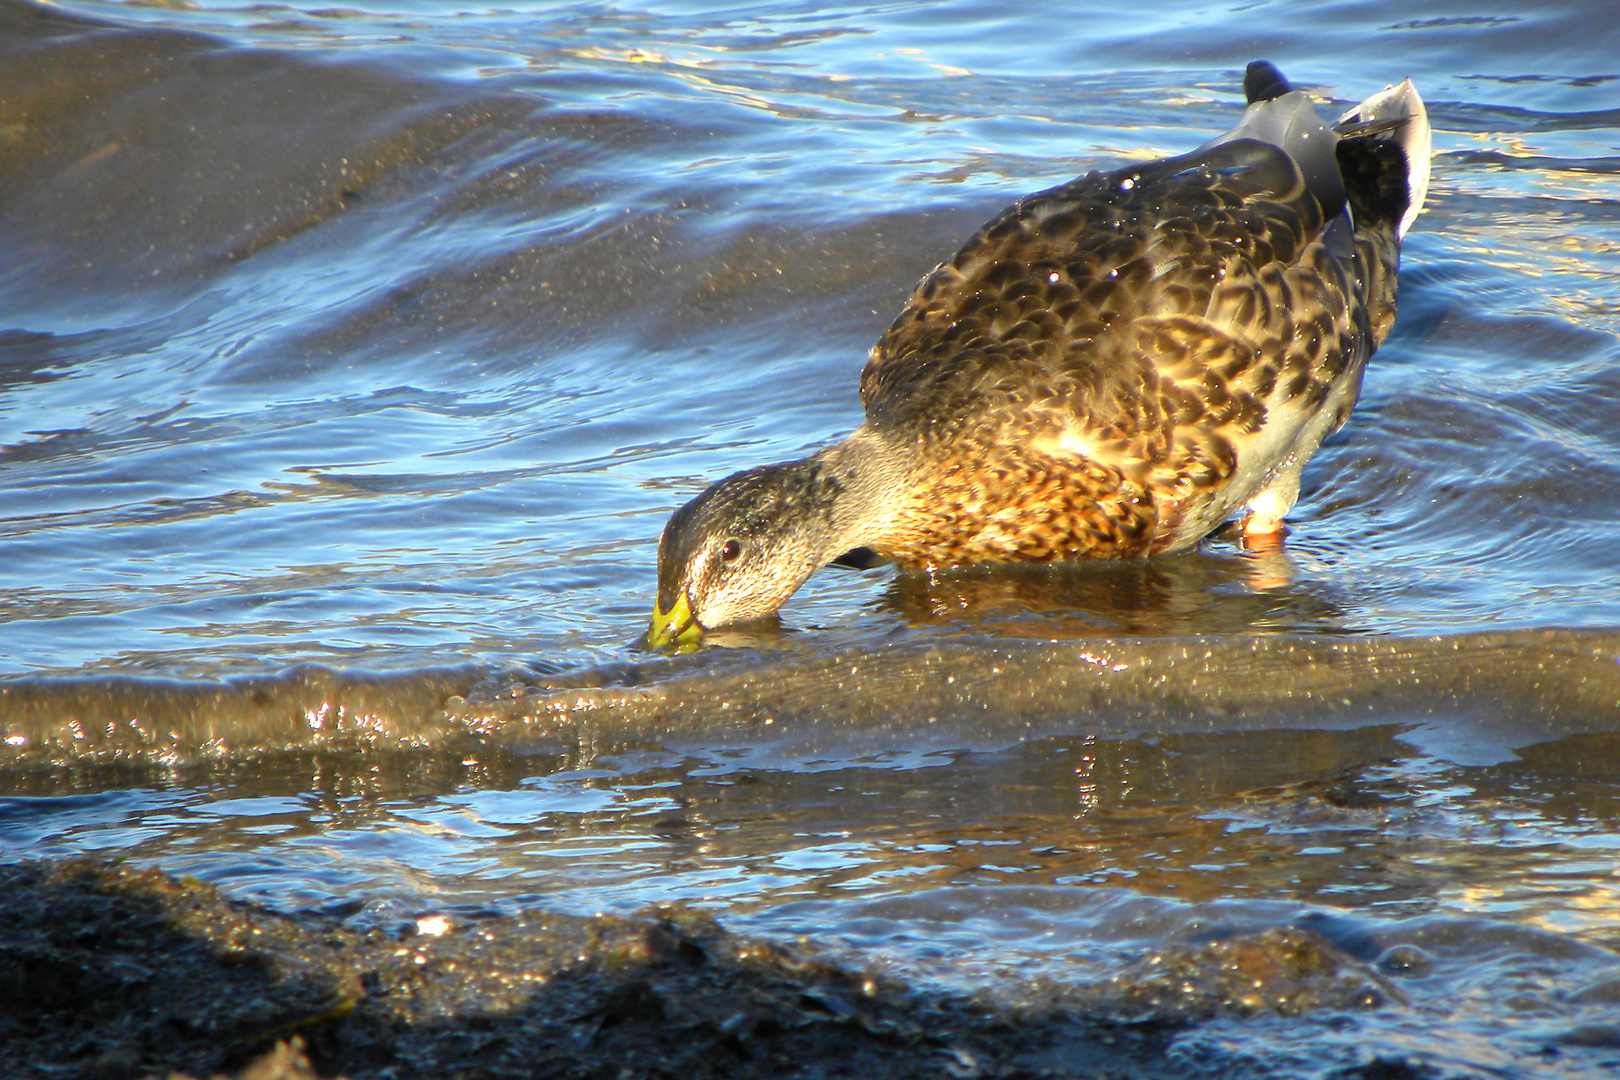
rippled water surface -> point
(387, 336)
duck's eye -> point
(730, 550)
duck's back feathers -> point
(1179, 326)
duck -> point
(1112, 368)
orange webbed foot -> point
(1262, 535)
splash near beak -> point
(676, 628)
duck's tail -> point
(1383, 154)
(1383, 151)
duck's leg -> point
(1263, 528)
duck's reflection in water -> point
(1224, 590)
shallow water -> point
(385, 337)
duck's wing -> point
(1082, 303)
(1154, 318)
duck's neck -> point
(866, 481)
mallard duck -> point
(1111, 368)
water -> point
(386, 337)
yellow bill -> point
(676, 628)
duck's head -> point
(740, 549)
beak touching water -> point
(676, 628)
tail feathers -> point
(1392, 118)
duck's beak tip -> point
(676, 629)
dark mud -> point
(109, 972)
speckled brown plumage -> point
(1109, 368)
(1155, 317)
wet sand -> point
(1508, 689)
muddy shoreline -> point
(1512, 687)
(115, 972)
(109, 972)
